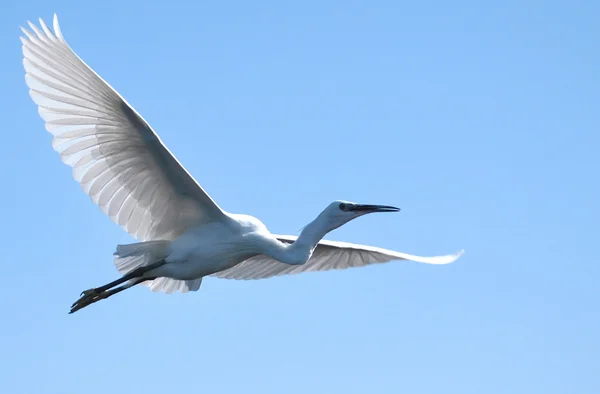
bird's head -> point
(341, 212)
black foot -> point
(89, 292)
(88, 297)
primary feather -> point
(117, 158)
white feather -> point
(119, 160)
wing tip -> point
(439, 260)
(26, 32)
(56, 26)
(45, 30)
(453, 257)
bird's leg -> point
(131, 275)
(93, 295)
(88, 300)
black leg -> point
(88, 300)
(93, 295)
(131, 275)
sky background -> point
(479, 119)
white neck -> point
(300, 251)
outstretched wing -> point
(117, 158)
(327, 255)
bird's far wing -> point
(327, 255)
(117, 158)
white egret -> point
(126, 170)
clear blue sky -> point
(480, 120)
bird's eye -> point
(343, 206)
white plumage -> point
(327, 255)
(127, 171)
(117, 158)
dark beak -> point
(373, 208)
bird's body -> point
(205, 250)
(183, 235)
(215, 247)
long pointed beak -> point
(374, 208)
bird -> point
(182, 235)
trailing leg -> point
(90, 299)
(93, 295)
(131, 275)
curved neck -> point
(313, 233)
(300, 251)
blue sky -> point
(479, 120)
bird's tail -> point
(131, 256)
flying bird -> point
(183, 234)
